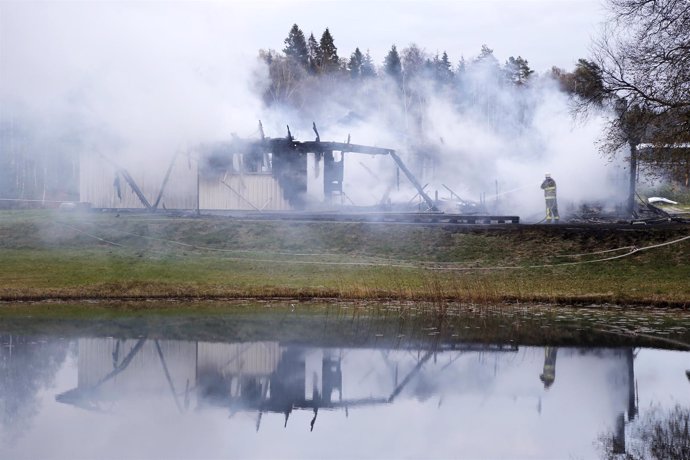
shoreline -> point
(561, 301)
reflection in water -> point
(549, 374)
(661, 434)
(422, 401)
(625, 380)
(257, 376)
(27, 365)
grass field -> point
(62, 255)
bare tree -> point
(413, 59)
(640, 71)
(284, 77)
(644, 57)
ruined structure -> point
(261, 174)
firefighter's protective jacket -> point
(549, 187)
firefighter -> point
(548, 376)
(549, 187)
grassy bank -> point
(102, 255)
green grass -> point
(57, 255)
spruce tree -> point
(313, 52)
(445, 71)
(296, 46)
(328, 53)
(392, 65)
(440, 69)
(462, 67)
(355, 64)
(368, 69)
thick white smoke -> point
(139, 81)
(487, 139)
(128, 79)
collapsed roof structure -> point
(240, 174)
(286, 159)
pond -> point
(343, 381)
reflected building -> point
(261, 376)
(272, 377)
(111, 370)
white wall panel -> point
(242, 192)
(144, 373)
(245, 191)
(250, 358)
(97, 178)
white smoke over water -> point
(140, 80)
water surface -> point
(353, 386)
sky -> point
(545, 32)
(77, 58)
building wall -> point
(242, 192)
(145, 373)
(97, 176)
(250, 358)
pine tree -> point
(486, 58)
(462, 67)
(392, 65)
(446, 70)
(355, 64)
(368, 69)
(441, 68)
(296, 46)
(328, 53)
(313, 53)
(517, 70)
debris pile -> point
(595, 213)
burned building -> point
(266, 174)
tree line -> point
(304, 58)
